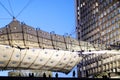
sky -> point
(48, 15)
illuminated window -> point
(104, 13)
(96, 4)
(83, 3)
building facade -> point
(98, 21)
(100, 65)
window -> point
(104, 13)
(78, 7)
(117, 32)
(113, 21)
(16, 35)
(115, 6)
(117, 26)
(96, 10)
(116, 19)
(112, 28)
(96, 4)
(108, 10)
(81, 5)
(111, 35)
(30, 29)
(118, 10)
(101, 15)
(111, 8)
(30, 36)
(109, 16)
(15, 28)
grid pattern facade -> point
(98, 21)
(98, 65)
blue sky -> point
(48, 15)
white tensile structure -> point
(37, 59)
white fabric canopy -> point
(103, 52)
(38, 59)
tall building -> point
(98, 21)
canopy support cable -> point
(24, 8)
(6, 9)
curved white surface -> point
(103, 52)
(37, 59)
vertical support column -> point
(38, 37)
(8, 35)
(51, 34)
(23, 34)
(65, 42)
